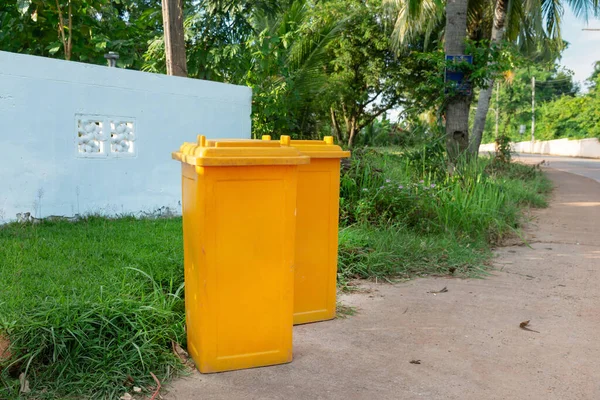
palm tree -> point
(457, 108)
(462, 18)
(527, 23)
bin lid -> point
(313, 148)
(237, 152)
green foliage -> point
(479, 201)
(367, 252)
(490, 60)
(365, 79)
(403, 218)
(99, 26)
(315, 67)
(570, 117)
(554, 85)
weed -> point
(343, 311)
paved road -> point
(580, 166)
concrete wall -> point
(78, 138)
(589, 148)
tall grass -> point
(482, 198)
(403, 211)
(91, 308)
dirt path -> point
(468, 340)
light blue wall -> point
(41, 168)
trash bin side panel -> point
(250, 232)
(316, 241)
(192, 207)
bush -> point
(481, 199)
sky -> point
(584, 46)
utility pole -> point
(532, 110)
(497, 106)
(174, 38)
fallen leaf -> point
(126, 396)
(182, 354)
(444, 290)
(24, 383)
(137, 389)
(524, 325)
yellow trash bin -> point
(239, 201)
(316, 229)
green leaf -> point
(54, 49)
(23, 6)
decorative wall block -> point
(90, 138)
(100, 136)
(122, 137)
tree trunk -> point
(483, 103)
(67, 41)
(352, 128)
(174, 38)
(334, 124)
(457, 110)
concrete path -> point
(587, 167)
(466, 343)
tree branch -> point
(370, 118)
(69, 40)
(61, 28)
(334, 122)
(371, 100)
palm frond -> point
(414, 18)
(514, 15)
(552, 12)
(308, 57)
(584, 8)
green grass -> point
(92, 308)
(405, 215)
(397, 253)
(344, 311)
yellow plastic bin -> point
(316, 229)
(239, 201)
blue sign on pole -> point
(457, 76)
